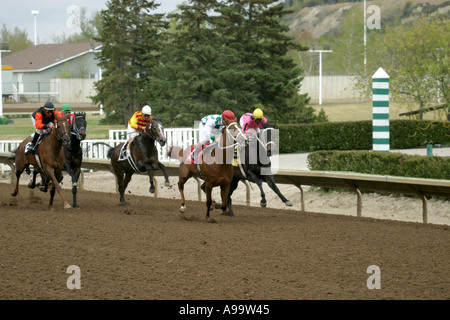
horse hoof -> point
(152, 189)
(288, 203)
(67, 206)
(14, 194)
(183, 209)
(167, 184)
(263, 204)
(31, 186)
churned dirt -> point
(147, 250)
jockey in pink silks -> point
(252, 121)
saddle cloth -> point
(125, 151)
(190, 158)
(28, 145)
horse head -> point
(61, 130)
(234, 132)
(79, 125)
(155, 130)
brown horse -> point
(51, 158)
(216, 167)
(143, 157)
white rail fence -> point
(183, 137)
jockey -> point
(252, 121)
(139, 121)
(210, 127)
(43, 120)
(66, 112)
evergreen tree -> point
(254, 30)
(131, 40)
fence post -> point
(380, 103)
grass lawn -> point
(23, 127)
(363, 111)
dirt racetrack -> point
(145, 250)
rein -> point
(233, 137)
(59, 138)
(265, 145)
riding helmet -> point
(65, 107)
(228, 114)
(49, 106)
(258, 114)
(147, 110)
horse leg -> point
(124, 186)
(16, 189)
(233, 186)
(32, 183)
(166, 176)
(55, 186)
(208, 190)
(184, 175)
(75, 175)
(43, 186)
(225, 193)
(150, 176)
(254, 178)
(271, 182)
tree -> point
(416, 58)
(131, 39)
(227, 56)
(17, 39)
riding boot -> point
(198, 148)
(33, 145)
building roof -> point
(43, 56)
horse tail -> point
(110, 150)
(175, 152)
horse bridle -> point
(56, 127)
(235, 138)
(150, 134)
(76, 130)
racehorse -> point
(51, 158)
(142, 157)
(74, 153)
(216, 168)
(256, 164)
(73, 157)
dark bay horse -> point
(51, 158)
(256, 164)
(74, 152)
(143, 157)
(216, 167)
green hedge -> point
(381, 163)
(357, 135)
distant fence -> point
(56, 90)
(96, 149)
(335, 89)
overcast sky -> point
(54, 16)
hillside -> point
(321, 20)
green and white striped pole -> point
(380, 123)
